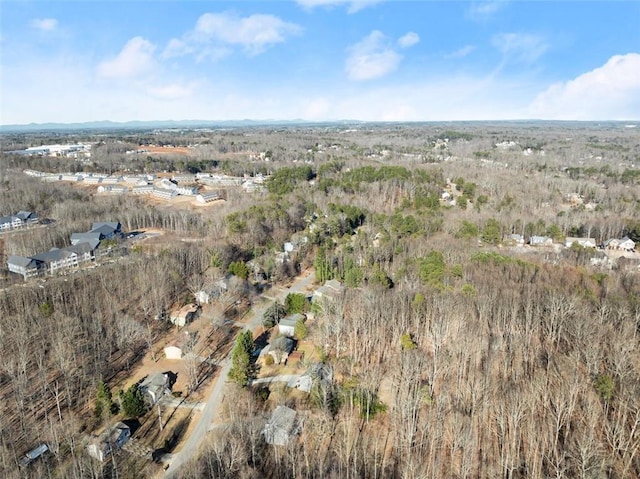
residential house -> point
(207, 197)
(286, 326)
(584, 242)
(142, 189)
(540, 241)
(156, 385)
(168, 184)
(332, 290)
(56, 259)
(107, 230)
(113, 189)
(20, 219)
(51, 178)
(163, 193)
(71, 177)
(27, 217)
(27, 267)
(187, 190)
(623, 244)
(210, 293)
(112, 439)
(88, 237)
(111, 180)
(280, 349)
(10, 222)
(627, 244)
(184, 315)
(184, 178)
(282, 426)
(53, 260)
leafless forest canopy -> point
(455, 353)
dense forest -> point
(454, 352)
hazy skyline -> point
(319, 60)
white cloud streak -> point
(483, 11)
(408, 40)
(609, 92)
(520, 47)
(44, 24)
(375, 57)
(353, 6)
(461, 52)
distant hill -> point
(190, 124)
(104, 125)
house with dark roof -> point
(112, 439)
(86, 237)
(155, 386)
(20, 219)
(107, 230)
(27, 267)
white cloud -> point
(408, 40)
(135, 58)
(520, 47)
(609, 92)
(482, 11)
(44, 24)
(353, 5)
(461, 52)
(214, 33)
(371, 58)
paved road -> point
(214, 401)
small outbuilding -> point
(185, 315)
(173, 352)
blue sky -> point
(75, 61)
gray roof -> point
(291, 320)
(20, 261)
(25, 215)
(7, 219)
(90, 235)
(54, 254)
(80, 248)
(282, 343)
(281, 426)
(104, 230)
(114, 225)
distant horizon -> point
(295, 121)
(321, 60)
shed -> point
(184, 315)
(173, 352)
